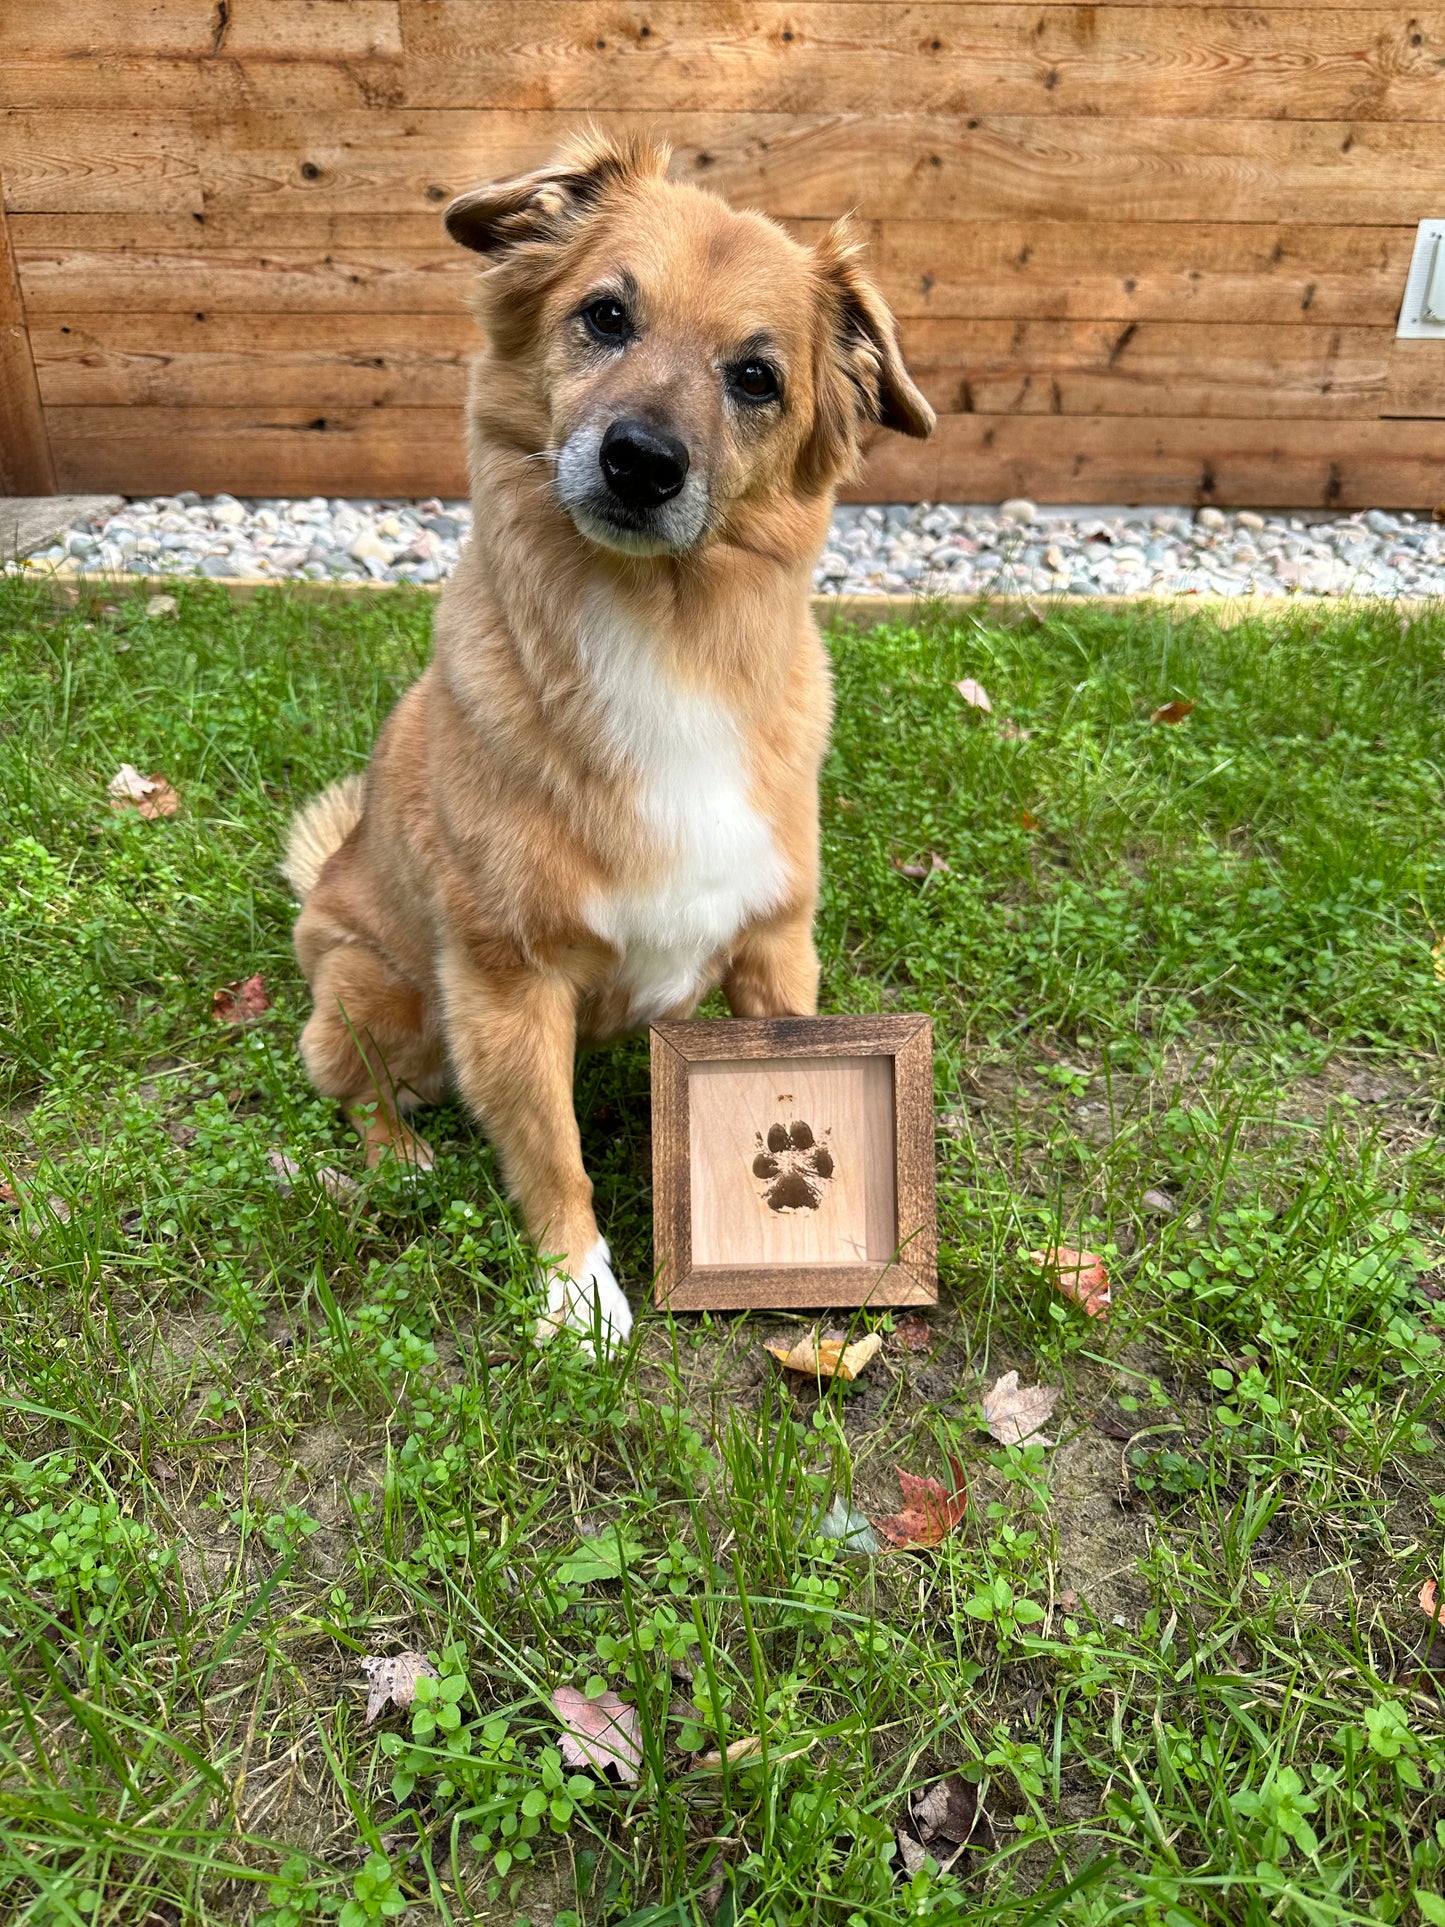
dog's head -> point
(672, 356)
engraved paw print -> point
(793, 1167)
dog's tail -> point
(319, 830)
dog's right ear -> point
(547, 205)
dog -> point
(600, 800)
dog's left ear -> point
(546, 205)
(862, 377)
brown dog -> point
(600, 800)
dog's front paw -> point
(591, 1304)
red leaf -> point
(599, 1733)
(1174, 712)
(241, 1001)
(1079, 1275)
(929, 1512)
(1029, 820)
(1430, 1602)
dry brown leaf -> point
(749, 1749)
(928, 1513)
(148, 796)
(1174, 712)
(1079, 1275)
(827, 1357)
(914, 1334)
(921, 871)
(974, 694)
(240, 1002)
(599, 1733)
(336, 1184)
(1016, 1414)
(9, 1197)
(1430, 1601)
(1013, 732)
(393, 1680)
(941, 1821)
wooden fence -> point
(1141, 252)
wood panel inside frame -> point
(793, 1163)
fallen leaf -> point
(336, 1184)
(1159, 1201)
(162, 605)
(1111, 1425)
(974, 694)
(920, 871)
(750, 1749)
(1079, 1275)
(851, 1528)
(148, 796)
(1016, 1414)
(1012, 732)
(928, 1513)
(1029, 820)
(1430, 1601)
(827, 1357)
(240, 1002)
(911, 1852)
(600, 1732)
(914, 1334)
(1174, 712)
(9, 1197)
(941, 1820)
(393, 1680)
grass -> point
(252, 1433)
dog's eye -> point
(755, 380)
(607, 319)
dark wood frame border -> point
(909, 1278)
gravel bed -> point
(922, 548)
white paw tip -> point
(582, 1303)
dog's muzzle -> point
(632, 486)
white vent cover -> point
(1422, 312)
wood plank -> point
(25, 464)
(61, 281)
(1147, 368)
(986, 458)
(257, 263)
(261, 451)
(98, 161)
(860, 56)
(971, 458)
(316, 363)
(1141, 270)
(144, 83)
(882, 167)
(202, 360)
(991, 367)
(178, 29)
(1415, 385)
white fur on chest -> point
(716, 866)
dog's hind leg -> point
(370, 1044)
(513, 1043)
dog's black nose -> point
(643, 465)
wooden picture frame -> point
(793, 1163)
